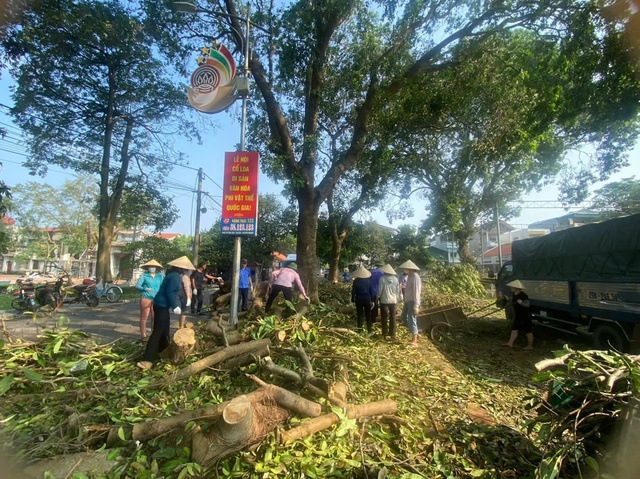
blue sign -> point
(238, 226)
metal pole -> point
(196, 237)
(499, 240)
(237, 245)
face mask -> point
(152, 270)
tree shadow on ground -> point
(475, 347)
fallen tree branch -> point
(216, 358)
(354, 411)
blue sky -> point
(210, 156)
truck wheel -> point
(607, 336)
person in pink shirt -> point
(283, 280)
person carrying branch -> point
(167, 300)
(283, 280)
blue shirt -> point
(168, 295)
(362, 288)
(376, 274)
(245, 277)
(146, 281)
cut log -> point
(217, 358)
(338, 390)
(230, 432)
(305, 326)
(288, 400)
(222, 300)
(245, 359)
(343, 331)
(281, 336)
(307, 428)
(182, 344)
(157, 427)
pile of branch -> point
(591, 394)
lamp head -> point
(185, 7)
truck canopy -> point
(610, 249)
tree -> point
(619, 198)
(92, 96)
(276, 227)
(412, 40)
(504, 118)
(410, 243)
(153, 247)
(68, 211)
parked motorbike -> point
(73, 294)
(30, 297)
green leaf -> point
(121, 434)
(32, 375)
(592, 463)
(5, 384)
(56, 347)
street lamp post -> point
(189, 7)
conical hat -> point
(409, 265)
(152, 262)
(516, 284)
(387, 269)
(361, 272)
(182, 262)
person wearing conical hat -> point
(389, 292)
(166, 300)
(412, 293)
(148, 284)
(362, 296)
(522, 320)
(376, 274)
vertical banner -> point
(240, 194)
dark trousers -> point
(199, 299)
(275, 290)
(388, 315)
(363, 311)
(243, 298)
(374, 310)
(160, 337)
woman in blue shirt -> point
(148, 284)
(167, 300)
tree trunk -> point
(306, 248)
(336, 247)
(462, 238)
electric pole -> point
(196, 236)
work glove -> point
(177, 310)
(149, 290)
(415, 311)
(307, 298)
(188, 303)
(195, 291)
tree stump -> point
(182, 344)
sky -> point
(182, 183)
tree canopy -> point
(92, 95)
(326, 66)
(618, 198)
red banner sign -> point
(240, 194)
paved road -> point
(106, 322)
